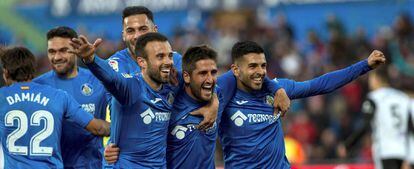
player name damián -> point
(30, 97)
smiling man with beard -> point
(80, 149)
(251, 135)
(185, 142)
(136, 21)
(142, 104)
(248, 121)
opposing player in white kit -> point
(387, 109)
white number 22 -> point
(22, 126)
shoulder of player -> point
(44, 88)
(177, 55)
(379, 94)
(44, 76)
(86, 74)
(120, 53)
(86, 77)
(284, 82)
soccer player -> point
(251, 135)
(80, 149)
(31, 115)
(142, 104)
(387, 110)
(188, 147)
(136, 21)
(156, 59)
(139, 20)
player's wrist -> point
(89, 59)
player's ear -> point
(235, 69)
(186, 77)
(141, 62)
(155, 28)
(6, 76)
(123, 36)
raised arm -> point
(118, 86)
(333, 80)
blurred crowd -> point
(318, 123)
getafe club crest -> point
(270, 100)
(86, 89)
(170, 98)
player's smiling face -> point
(133, 27)
(159, 61)
(63, 62)
(251, 71)
(202, 79)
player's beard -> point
(250, 81)
(131, 47)
(65, 69)
(200, 92)
(155, 74)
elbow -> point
(99, 127)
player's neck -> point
(71, 74)
(152, 83)
(190, 93)
(241, 86)
(10, 82)
(132, 55)
(380, 85)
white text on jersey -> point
(31, 97)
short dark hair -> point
(245, 47)
(19, 63)
(196, 53)
(136, 10)
(61, 31)
(146, 38)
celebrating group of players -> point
(166, 110)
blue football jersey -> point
(140, 117)
(123, 63)
(80, 148)
(31, 118)
(188, 147)
(252, 137)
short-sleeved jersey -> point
(251, 136)
(123, 63)
(390, 109)
(188, 147)
(140, 117)
(31, 118)
(80, 148)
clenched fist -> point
(375, 59)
